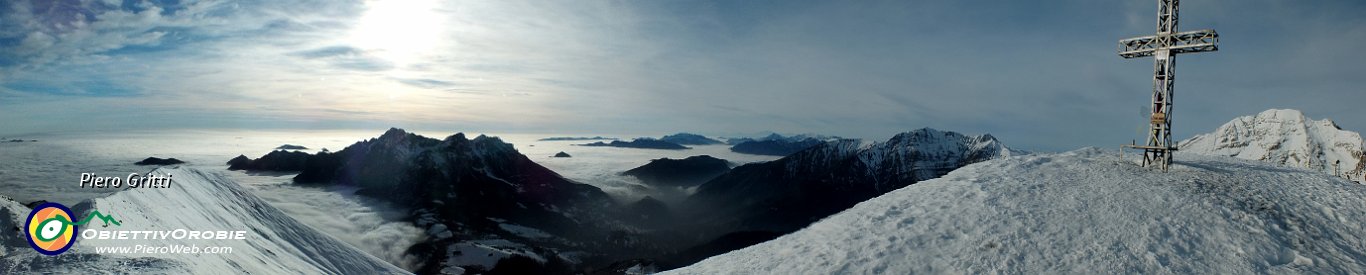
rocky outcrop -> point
(159, 161)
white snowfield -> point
(201, 201)
(1285, 137)
(1084, 212)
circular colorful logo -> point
(50, 229)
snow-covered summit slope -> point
(12, 215)
(1084, 211)
(1285, 137)
(201, 201)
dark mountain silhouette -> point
(776, 145)
(687, 172)
(159, 161)
(576, 138)
(239, 160)
(641, 143)
(689, 139)
(275, 161)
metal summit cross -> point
(1164, 47)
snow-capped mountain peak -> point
(1285, 137)
(929, 153)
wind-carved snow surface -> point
(1284, 137)
(1084, 211)
(200, 201)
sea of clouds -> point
(49, 169)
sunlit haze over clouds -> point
(1039, 76)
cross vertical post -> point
(1163, 47)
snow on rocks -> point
(1285, 137)
(12, 215)
(1082, 212)
(485, 254)
(439, 231)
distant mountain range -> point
(479, 198)
(1285, 137)
(576, 138)
(777, 145)
(640, 143)
(690, 139)
(776, 136)
(789, 193)
(668, 142)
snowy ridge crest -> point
(1285, 137)
(920, 154)
(928, 153)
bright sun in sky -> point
(400, 31)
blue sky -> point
(1041, 76)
